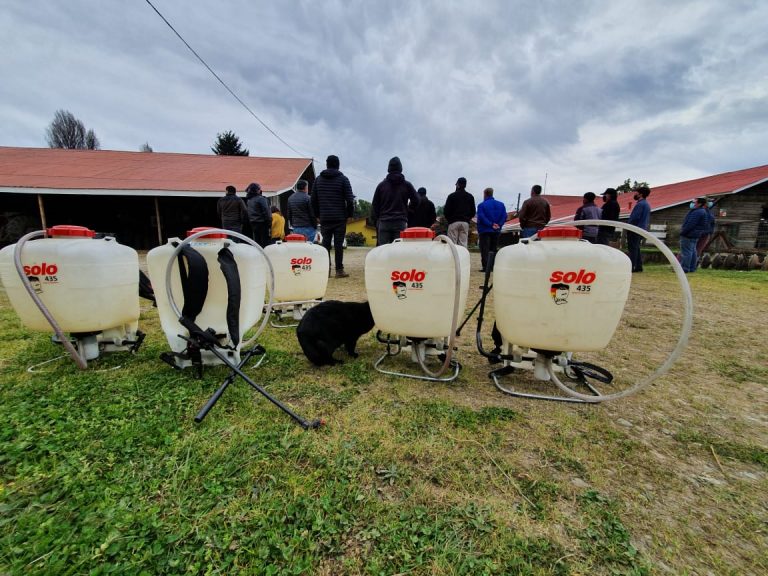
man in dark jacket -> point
(333, 202)
(300, 213)
(389, 209)
(424, 214)
(695, 225)
(231, 210)
(534, 213)
(459, 211)
(611, 210)
(640, 217)
(588, 211)
(259, 214)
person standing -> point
(424, 214)
(258, 214)
(391, 200)
(610, 211)
(534, 213)
(588, 211)
(300, 214)
(640, 217)
(231, 210)
(695, 225)
(459, 210)
(491, 216)
(277, 231)
(333, 202)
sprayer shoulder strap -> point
(228, 267)
(193, 271)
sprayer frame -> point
(236, 369)
(573, 395)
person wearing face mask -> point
(640, 217)
(704, 239)
(696, 224)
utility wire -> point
(236, 97)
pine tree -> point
(228, 144)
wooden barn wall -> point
(743, 213)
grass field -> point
(106, 472)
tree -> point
(362, 209)
(146, 147)
(228, 144)
(66, 131)
(626, 187)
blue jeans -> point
(528, 232)
(389, 231)
(307, 231)
(688, 256)
(633, 247)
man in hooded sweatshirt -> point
(389, 208)
(333, 202)
(459, 211)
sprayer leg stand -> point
(418, 351)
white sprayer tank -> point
(87, 284)
(411, 285)
(301, 269)
(559, 293)
(252, 268)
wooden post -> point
(42, 211)
(159, 225)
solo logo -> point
(580, 277)
(43, 269)
(411, 275)
(301, 261)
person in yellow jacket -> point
(278, 225)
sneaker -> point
(341, 274)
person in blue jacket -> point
(640, 217)
(695, 225)
(491, 216)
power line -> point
(236, 97)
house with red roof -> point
(741, 207)
(142, 198)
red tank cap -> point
(68, 230)
(295, 238)
(555, 232)
(207, 236)
(417, 232)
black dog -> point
(331, 324)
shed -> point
(142, 198)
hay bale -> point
(754, 262)
(706, 260)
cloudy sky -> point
(507, 93)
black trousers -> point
(335, 231)
(489, 242)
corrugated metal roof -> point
(60, 171)
(564, 207)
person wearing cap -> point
(695, 224)
(259, 214)
(458, 211)
(491, 216)
(231, 210)
(424, 214)
(333, 202)
(300, 213)
(610, 210)
(704, 239)
(640, 217)
(588, 211)
(534, 213)
(391, 201)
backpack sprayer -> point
(206, 295)
(556, 295)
